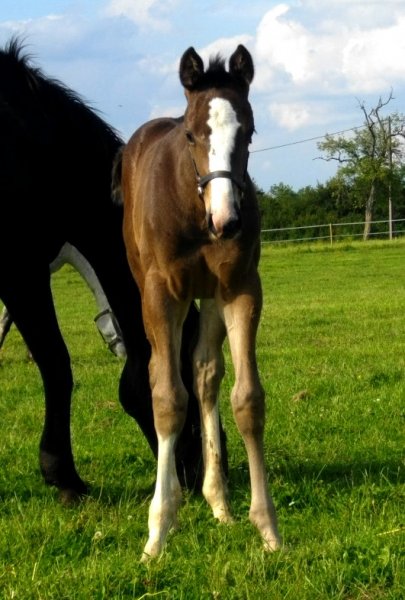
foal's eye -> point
(190, 137)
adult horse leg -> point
(164, 319)
(5, 323)
(105, 320)
(241, 318)
(208, 373)
(34, 316)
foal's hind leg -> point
(208, 373)
(241, 318)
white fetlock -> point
(152, 549)
(223, 515)
(271, 542)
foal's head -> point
(219, 126)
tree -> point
(277, 206)
(368, 160)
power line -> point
(318, 137)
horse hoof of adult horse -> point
(61, 473)
(70, 497)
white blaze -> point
(224, 126)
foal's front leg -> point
(242, 318)
(163, 321)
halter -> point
(203, 181)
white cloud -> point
(55, 32)
(312, 58)
(290, 115)
(282, 44)
(153, 64)
(224, 46)
(153, 14)
(372, 59)
(335, 55)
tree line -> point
(369, 184)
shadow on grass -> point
(342, 474)
(295, 483)
(288, 478)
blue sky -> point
(314, 59)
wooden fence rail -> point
(332, 232)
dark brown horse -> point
(191, 229)
(56, 158)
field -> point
(331, 352)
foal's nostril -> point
(231, 228)
(226, 229)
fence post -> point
(390, 180)
(331, 234)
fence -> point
(332, 231)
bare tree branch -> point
(365, 159)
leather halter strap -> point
(203, 181)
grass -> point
(331, 355)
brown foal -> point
(192, 231)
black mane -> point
(20, 82)
(216, 64)
(216, 75)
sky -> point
(315, 61)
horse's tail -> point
(116, 190)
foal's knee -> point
(248, 409)
(169, 408)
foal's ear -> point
(191, 68)
(241, 65)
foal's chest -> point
(199, 274)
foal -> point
(191, 229)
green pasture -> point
(331, 350)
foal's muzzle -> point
(231, 227)
(229, 230)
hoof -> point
(151, 552)
(145, 558)
(71, 497)
(224, 516)
(62, 474)
(272, 544)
